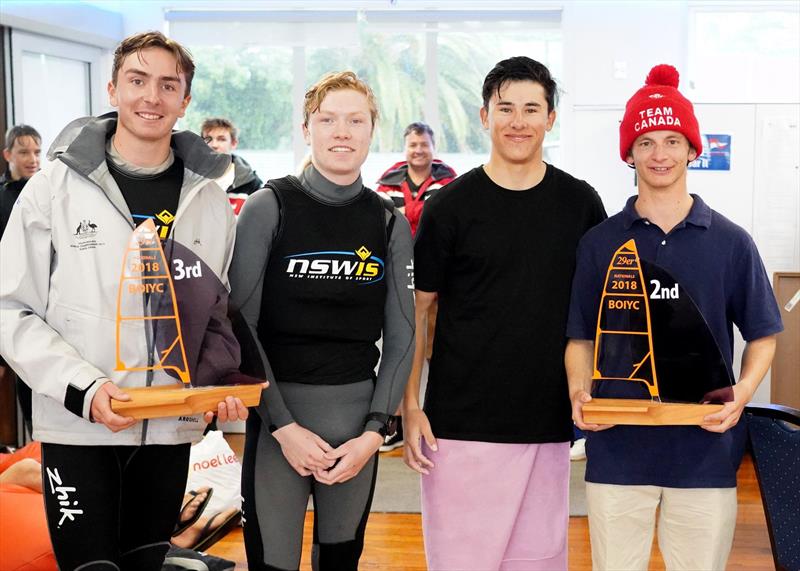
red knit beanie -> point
(658, 106)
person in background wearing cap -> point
(687, 471)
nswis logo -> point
(357, 266)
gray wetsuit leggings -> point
(275, 496)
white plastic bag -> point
(213, 463)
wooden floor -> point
(394, 541)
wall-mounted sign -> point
(716, 154)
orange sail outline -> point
(624, 291)
(143, 265)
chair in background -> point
(774, 433)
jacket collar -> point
(397, 173)
(82, 145)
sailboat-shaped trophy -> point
(149, 317)
(652, 341)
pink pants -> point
(489, 506)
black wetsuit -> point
(317, 303)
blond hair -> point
(336, 81)
(144, 40)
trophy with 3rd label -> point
(174, 330)
(652, 341)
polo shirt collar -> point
(699, 214)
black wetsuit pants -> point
(112, 507)
(275, 496)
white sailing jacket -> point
(60, 263)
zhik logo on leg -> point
(62, 494)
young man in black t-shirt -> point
(498, 248)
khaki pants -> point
(695, 526)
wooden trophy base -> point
(181, 400)
(645, 412)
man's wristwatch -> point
(389, 423)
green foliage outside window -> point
(251, 87)
(394, 67)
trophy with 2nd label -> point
(652, 341)
(190, 361)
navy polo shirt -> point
(716, 262)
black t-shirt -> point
(413, 188)
(502, 263)
(152, 196)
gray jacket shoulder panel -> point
(82, 145)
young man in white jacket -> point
(113, 485)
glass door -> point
(54, 82)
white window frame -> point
(272, 27)
(35, 43)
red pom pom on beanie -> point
(663, 75)
(658, 106)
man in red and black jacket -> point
(411, 182)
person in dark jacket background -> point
(22, 152)
(409, 184)
(222, 135)
(320, 273)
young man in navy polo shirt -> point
(689, 471)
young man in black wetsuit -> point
(320, 274)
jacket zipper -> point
(148, 328)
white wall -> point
(633, 35)
(68, 21)
(609, 47)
